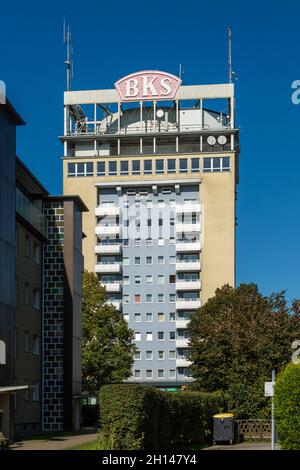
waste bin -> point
(225, 428)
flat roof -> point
(76, 199)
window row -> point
(158, 166)
(160, 374)
(30, 297)
(161, 336)
(137, 317)
(148, 298)
(161, 355)
(149, 279)
(148, 260)
(32, 249)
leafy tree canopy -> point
(237, 338)
(107, 349)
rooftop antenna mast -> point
(181, 71)
(68, 61)
(230, 73)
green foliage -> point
(134, 417)
(107, 349)
(287, 407)
(237, 338)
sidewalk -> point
(56, 442)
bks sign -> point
(147, 86)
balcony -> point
(112, 286)
(187, 304)
(113, 249)
(104, 268)
(31, 213)
(182, 324)
(182, 227)
(183, 362)
(188, 285)
(107, 209)
(188, 266)
(188, 208)
(185, 247)
(115, 303)
(105, 230)
(182, 343)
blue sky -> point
(112, 39)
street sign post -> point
(269, 392)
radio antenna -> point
(69, 51)
(230, 73)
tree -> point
(287, 402)
(237, 338)
(107, 348)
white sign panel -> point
(269, 389)
(2, 353)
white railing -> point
(183, 227)
(183, 362)
(108, 249)
(181, 324)
(188, 266)
(188, 285)
(107, 230)
(112, 286)
(116, 303)
(182, 343)
(188, 208)
(188, 304)
(188, 247)
(108, 268)
(107, 209)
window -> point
(124, 167)
(149, 222)
(137, 374)
(183, 165)
(195, 165)
(137, 260)
(149, 336)
(137, 203)
(161, 279)
(137, 355)
(172, 316)
(126, 261)
(171, 165)
(137, 241)
(36, 345)
(36, 253)
(160, 298)
(81, 169)
(147, 167)
(126, 280)
(126, 242)
(27, 298)
(160, 373)
(160, 355)
(149, 355)
(159, 167)
(172, 354)
(172, 335)
(149, 260)
(137, 279)
(161, 260)
(172, 202)
(112, 168)
(126, 298)
(160, 222)
(161, 203)
(172, 279)
(36, 299)
(166, 190)
(36, 392)
(149, 298)
(148, 374)
(100, 169)
(137, 336)
(161, 317)
(137, 317)
(172, 298)
(149, 204)
(126, 203)
(161, 242)
(126, 223)
(149, 316)
(149, 279)
(149, 242)
(160, 335)
(27, 246)
(136, 167)
(137, 298)
(26, 341)
(216, 164)
(172, 373)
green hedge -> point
(138, 417)
(287, 407)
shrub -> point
(136, 417)
(287, 407)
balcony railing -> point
(111, 249)
(31, 213)
(187, 284)
(188, 265)
(107, 230)
(107, 209)
(108, 267)
(183, 304)
(182, 362)
(188, 208)
(188, 247)
(188, 227)
(112, 286)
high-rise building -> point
(156, 163)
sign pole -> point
(272, 417)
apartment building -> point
(156, 163)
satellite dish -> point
(222, 140)
(211, 140)
(159, 113)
